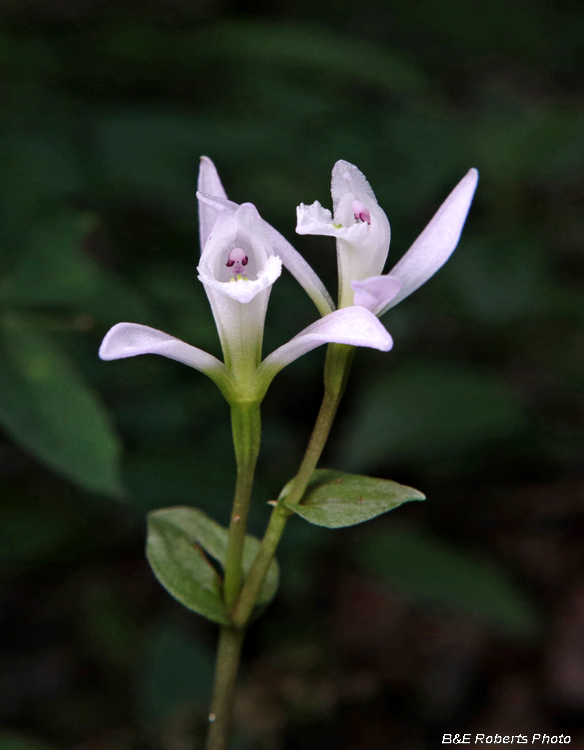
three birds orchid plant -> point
(241, 259)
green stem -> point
(336, 372)
(226, 667)
(337, 367)
(246, 427)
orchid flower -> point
(238, 267)
(213, 201)
(362, 232)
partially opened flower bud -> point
(359, 224)
(362, 232)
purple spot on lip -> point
(236, 260)
(360, 211)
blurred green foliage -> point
(104, 111)
(429, 571)
(177, 671)
(427, 410)
(47, 408)
(12, 741)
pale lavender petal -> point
(216, 203)
(291, 258)
(131, 339)
(314, 219)
(355, 326)
(375, 292)
(437, 242)
(210, 183)
(347, 178)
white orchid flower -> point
(213, 201)
(238, 266)
(359, 224)
(363, 234)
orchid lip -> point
(291, 258)
(239, 250)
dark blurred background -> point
(461, 614)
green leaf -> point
(180, 565)
(48, 410)
(213, 539)
(176, 540)
(336, 499)
(433, 572)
